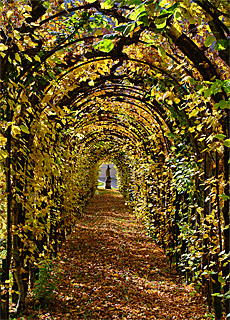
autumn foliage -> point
(144, 84)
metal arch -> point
(138, 136)
(125, 59)
(134, 97)
(113, 117)
(106, 134)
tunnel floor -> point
(109, 268)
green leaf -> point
(220, 136)
(143, 17)
(160, 23)
(47, 4)
(107, 4)
(224, 197)
(135, 2)
(222, 44)
(110, 36)
(169, 11)
(221, 279)
(194, 113)
(91, 1)
(227, 143)
(105, 45)
(209, 41)
(136, 12)
(161, 52)
(208, 93)
(120, 28)
(25, 129)
(51, 74)
(130, 27)
(217, 294)
(223, 104)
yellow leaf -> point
(91, 83)
(15, 130)
(17, 34)
(199, 127)
(3, 140)
(17, 57)
(24, 98)
(28, 57)
(28, 8)
(3, 47)
(98, 32)
(191, 129)
(20, 46)
(177, 100)
(9, 13)
(27, 15)
(62, 7)
(37, 58)
(3, 154)
(163, 3)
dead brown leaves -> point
(111, 269)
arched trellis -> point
(205, 68)
(156, 106)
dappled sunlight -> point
(111, 269)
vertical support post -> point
(6, 265)
(9, 200)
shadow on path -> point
(110, 269)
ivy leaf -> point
(136, 12)
(169, 11)
(105, 45)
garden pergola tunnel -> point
(144, 84)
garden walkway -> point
(110, 269)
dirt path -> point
(110, 269)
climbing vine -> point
(144, 84)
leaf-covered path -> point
(110, 269)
